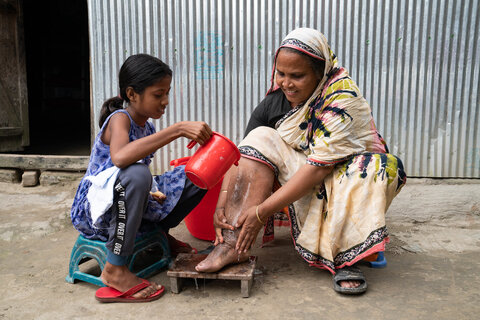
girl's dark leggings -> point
(131, 193)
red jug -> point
(200, 220)
(211, 161)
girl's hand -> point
(198, 131)
(220, 222)
(158, 196)
(250, 228)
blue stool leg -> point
(151, 240)
(381, 261)
(72, 266)
(86, 249)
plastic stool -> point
(380, 262)
(85, 249)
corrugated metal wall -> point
(417, 62)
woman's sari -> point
(343, 220)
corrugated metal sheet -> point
(417, 62)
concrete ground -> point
(432, 273)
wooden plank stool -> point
(184, 267)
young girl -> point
(113, 202)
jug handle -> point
(180, 161)
(192, 143)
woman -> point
(314, 134)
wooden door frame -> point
(11, 134)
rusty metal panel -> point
(417, 62)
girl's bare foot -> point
(122, 279)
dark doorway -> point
(58, 77)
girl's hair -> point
(138, 72)
(317, 65)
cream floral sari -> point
(343, 220)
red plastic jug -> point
(211, 161)
(199, 221)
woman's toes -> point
(350, 284)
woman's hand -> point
(220, 222)
(250, 228)
(198, 131)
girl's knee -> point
(137, 175)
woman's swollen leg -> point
(249, 185)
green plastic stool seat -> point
(86, 249)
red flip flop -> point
(108, 294)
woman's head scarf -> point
(336, 121)
(313, 43)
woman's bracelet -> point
(258, 217)
(223, 190)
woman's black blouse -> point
(271, 109)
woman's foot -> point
(177, 246)
(122, 279)
(222, 255)
(349, 280)
(350, 284)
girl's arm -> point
(306, 178)
(124, 153)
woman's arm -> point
(306, 178)
(124, 153)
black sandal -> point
(349, 274)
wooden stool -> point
(184, 267)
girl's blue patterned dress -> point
(170, 183)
